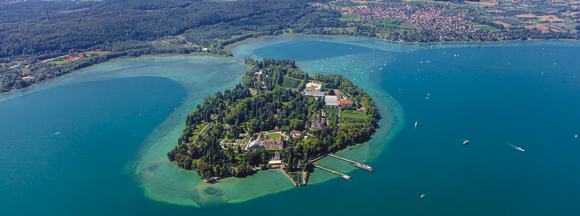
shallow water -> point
(108, 159)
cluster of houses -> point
(333, 98)
(77, 56)
(266, 141)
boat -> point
(416, 123)
(575, 136)
(519, 148)
(347, 177)
(363, 166)
(57, 133)
(212, 180)
(465, 142)
(422, 196)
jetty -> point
(354, 163)
(291, 179)
(317, 159)
(344, 176)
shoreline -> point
(438, 44)
(345, 38)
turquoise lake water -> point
(525, 94)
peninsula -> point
(278, 117)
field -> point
(61, 62)
(487, 27)
(352, 116)
(290, 82)
(332, 114)
(274, 135)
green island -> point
(278, 117)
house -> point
(275, 163)
(313, 93)
(28, 78)
(263, 141)
(331, 100)
(255, 144)
(72, 58)
(312, 86)
(272, 143)
(295, 134)
(258, 74)
(344, 102)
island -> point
(279, 117)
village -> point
(485, 20)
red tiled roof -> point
(344, 102)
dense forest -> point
(270, 99)
(55, 27)
(33, 31)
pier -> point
(344, 176)
(317, 159)
(354, 163)
(291, 179)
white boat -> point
(575, 136)
(516, 147)
(422, 196)
(57, 133)
(465, 142)
(416, 123)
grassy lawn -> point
(486, 27)
(348, 18)
(274, 135)
(61, 62)
(351, 115)
(290, 82)
(332, 114)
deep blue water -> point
(67, 150)
(527, 95)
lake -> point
(94, 142)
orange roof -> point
(344, 102)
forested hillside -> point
(40, 40)
(54, 27)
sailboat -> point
(465, 141)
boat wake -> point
(519, 148)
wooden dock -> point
(344, 176)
